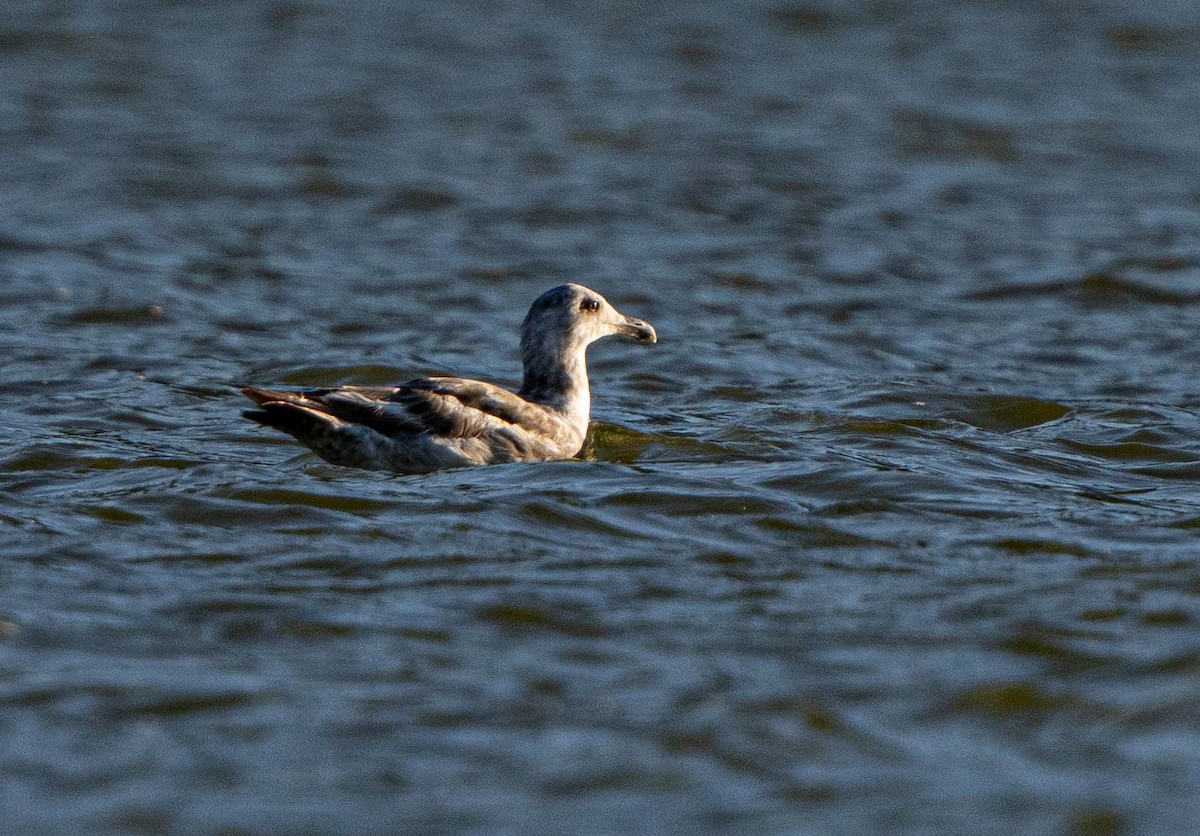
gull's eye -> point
(589, 305)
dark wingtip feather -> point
(262, 396)
(289, 418)
(258, 415)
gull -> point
(439, 422)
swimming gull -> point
(437, 422)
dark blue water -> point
(894, 531)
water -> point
(894, 531)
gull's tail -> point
(300, 421)
(313, 425)
(289, 412)
(296, 415)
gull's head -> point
(572, 314)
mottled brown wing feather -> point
(449, 407)
(457, 404)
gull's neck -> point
(556, 376)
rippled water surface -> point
(894, 531)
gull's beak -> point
(640, 330)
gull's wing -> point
(449, 407)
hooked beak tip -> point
(641, 331)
